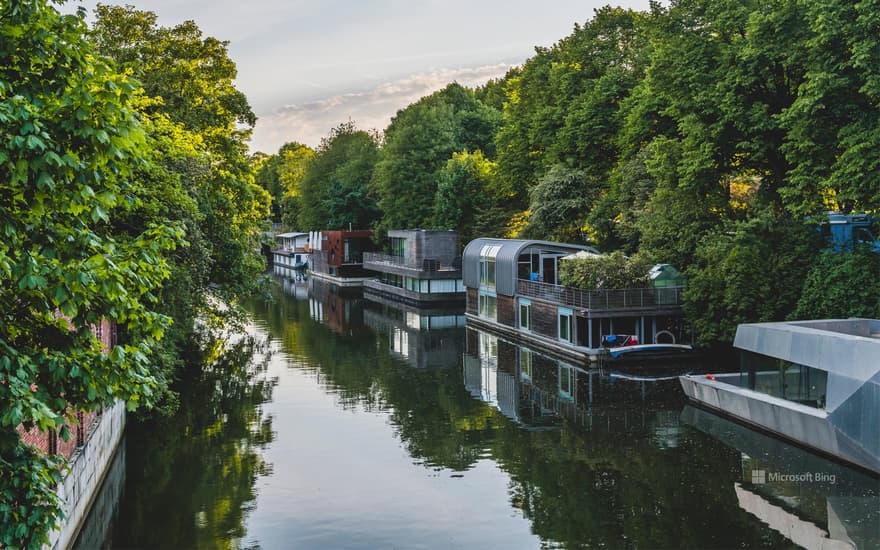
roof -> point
(506, 258)
(290, 235)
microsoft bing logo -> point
(759, 477)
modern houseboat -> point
(513, 288)
(338, 256)
(292, 253)
(423, 268)
(816, 383)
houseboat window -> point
(398, 247)
(443, 285)
(783, 379)
(565, 316)
(488, 308)
(487, 265)
(566, 381)
(525, 314)
(525, 364)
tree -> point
(751, 272)
(841, 285)
(559, 203)
(465, 194)
(71, 143)
(191, 80)
(419, 141)
(334, 190)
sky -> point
(309, 65)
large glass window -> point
(487, 266)
(566, 381)
(488, 306)
(783, 379)
(525, 314)
(525, 364)
(565, 317)
(398, 247)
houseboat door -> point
(549, 264)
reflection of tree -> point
(604, 478)
(193, 474)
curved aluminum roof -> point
(506, 260)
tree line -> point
(709, 134)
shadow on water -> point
(189, 478)
(588, 458)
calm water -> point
(343, 423)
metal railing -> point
(425, 265)
(629, 298)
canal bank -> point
(322, 434)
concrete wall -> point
(87, 469)
(434, 245)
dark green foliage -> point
(418, 143)
(334, 190)
(563, 105)
(840, 286)
(464, 194)
(750, 272)
(558, 203)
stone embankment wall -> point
(89, 464)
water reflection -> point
(190, 477)
(424, 338)
(484, 443)
(813, 502)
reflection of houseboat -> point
(535, 389)
(424, 338)
(424, 268)
(338, 256)
(814, 382)
(339, 308)
(291, 254)
(815, 503)
(512, 288)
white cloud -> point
(310, 121)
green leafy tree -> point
(334, 190)
(563, 105)
(419, 141)
(465, 194)
(293, 160)
(558, 204)
(71, 143)
(191, 78)
(751, 272)
(841, 285)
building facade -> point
(423, 268)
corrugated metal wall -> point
(505, 260)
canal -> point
(339, 422)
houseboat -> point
(338, 256)
(292, 253)
(816, 383)
(513, 288)
(423, 268)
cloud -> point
(310, 121)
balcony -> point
(603, 300)
(378, 261)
